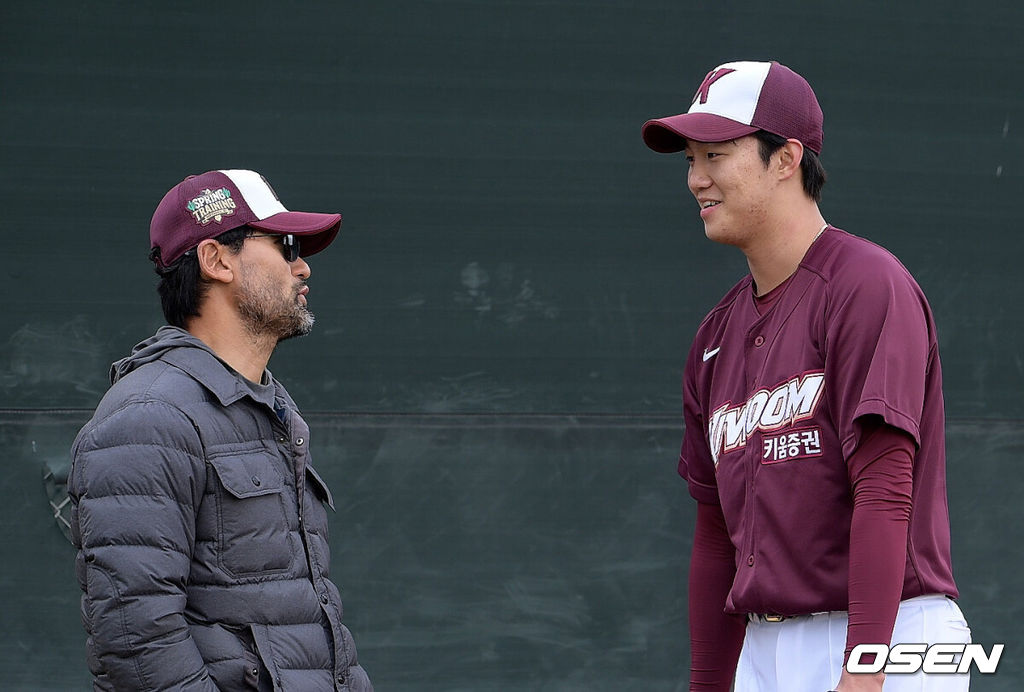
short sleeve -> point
(695, 462)
(878, 343)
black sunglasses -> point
(289, 243)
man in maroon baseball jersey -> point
(814, 441)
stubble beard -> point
(266, 313)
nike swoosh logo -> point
(708, 355)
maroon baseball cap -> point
(204, 206)
(738, 99)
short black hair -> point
(810, 165)
(182, 287)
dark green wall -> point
(502, 324)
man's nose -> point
(697, 178)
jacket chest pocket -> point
(253, 529)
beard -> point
(266, 312)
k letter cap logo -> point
(712, 77)
(732, 93)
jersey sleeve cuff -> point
(708, 494)
(891, 417)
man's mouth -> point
(706, 206)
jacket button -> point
(256, 481)
(341, 678)
(281, 439)
(324, 599)
(759, 341)
(255, 672)
(750, 560)
(299, 441)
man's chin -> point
(304, 327)
(721, 236)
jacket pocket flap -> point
(320, 488)
(248, 474)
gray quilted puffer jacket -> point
(202, 534)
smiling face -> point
(732, 185)
(272, 293)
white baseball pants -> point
(805, 653)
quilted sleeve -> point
(137, 477)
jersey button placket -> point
(752, 366)
(753, 362)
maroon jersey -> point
(770, 403)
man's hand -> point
(860, 682)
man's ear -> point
(789, 158)
(215, 261)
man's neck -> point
(777, 250)
(235, 345)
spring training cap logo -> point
(212, 205)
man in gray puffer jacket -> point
(200, 521)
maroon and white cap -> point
(204, 206)
(738, 99)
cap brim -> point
(669, 135)
(317, 230)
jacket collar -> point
(208, 370)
